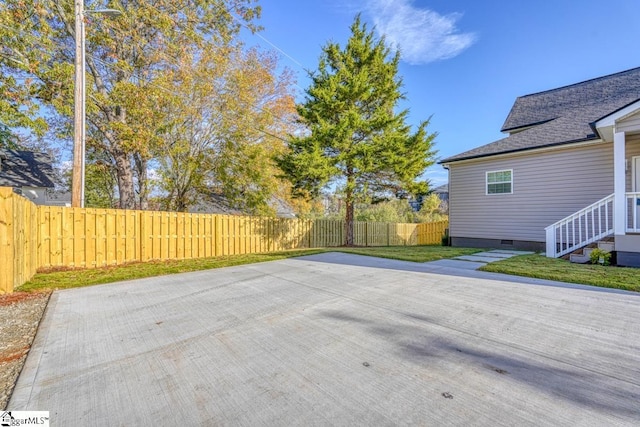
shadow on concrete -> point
(342, 258)
(577, 382)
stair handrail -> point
(557, 248)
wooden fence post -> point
(217, 236)
(366, 234)
(141, 236)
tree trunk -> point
(124, 173)
(143, 182)
(124, 168)
(181, 204)
(348, 223)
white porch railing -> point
(581, 228)
(633, 213)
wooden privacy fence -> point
(18, 240)
(41, 237)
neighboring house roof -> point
(57, 198)
(561, 116)
(25, 169)
(215, 203)
(444, 188)
(282, 208)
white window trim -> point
(633, 174)
(486, 182)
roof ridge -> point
(579, 83)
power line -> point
(172, 92)
(271, 135)
(281, 51)
(291, 58)
(295, 61)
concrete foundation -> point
(519, 245)
(628, 259)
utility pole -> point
(77, 181)
(80, 104)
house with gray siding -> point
(566, 175)
(442, 191)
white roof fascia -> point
(606, 124)
(526, 152)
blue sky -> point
(465, 61)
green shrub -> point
(445, 239)
(598, 256)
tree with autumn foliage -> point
(221, 129)
(356, 138)
(126, 58)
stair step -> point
(607, 246)
(585, 256)
(579, 258)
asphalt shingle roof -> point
(25, 169)
(562, 115)
(444, 188)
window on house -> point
(500, 182)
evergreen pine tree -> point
(356, 137)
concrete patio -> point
(336, 339)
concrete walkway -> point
(475, 261)
(336, 339)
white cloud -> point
(422, 35)
(436, 175)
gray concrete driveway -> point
(336, 339)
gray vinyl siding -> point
(547, 186)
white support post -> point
(619, 184)
(551, 242)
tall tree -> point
(124, 56)
(222, 125)
(7, 139)
(356, 137)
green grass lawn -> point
(412, 253)
(537, 266)
(541, 267)
(87, 277)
